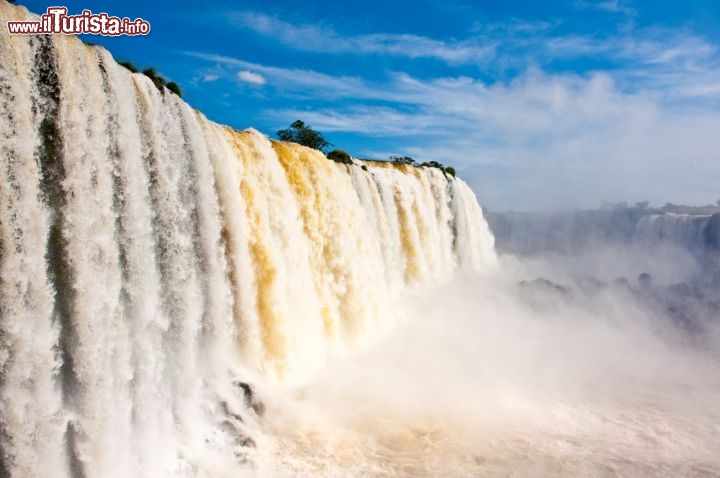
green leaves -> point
(339, 156)
(300, 133)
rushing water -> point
(151, 260)
(688, 231)
(484, 380)
(178, 298)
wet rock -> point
(645, 281)
(229, 413)
(682, 289)
(592, 286)
(621, 283)
(542, 285)
(251, 399)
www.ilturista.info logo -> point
(57, 21)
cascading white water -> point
(150, 259)
(684, 230)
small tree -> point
(303, 134)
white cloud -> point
(296, 81)
(515, 26)
(644, 129)
(251, 77)
(660, 47)
(512, 42)
(317, 38)
(611, 6)
(543, 139)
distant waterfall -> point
(685, 230)
(150, 259)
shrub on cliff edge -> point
(339, 156)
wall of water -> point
(151, 259)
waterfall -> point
(685, 230)
(151, 260)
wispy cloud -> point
(611, 6)
(295, 81)
(671, 49)
(251, 77)
(512, 42)
(552, 136)
(638, 126)
(318, 38)
(514, 26)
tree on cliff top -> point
(300, 133)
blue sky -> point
(536, 104)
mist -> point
(181, 298)
(510, 373)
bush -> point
(129, 66)
(159, 82)
(150, 73)
(340, 156)
(175, 88)
(402, 160)
(434, 164)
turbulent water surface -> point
(484, 380)
(178, 298)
